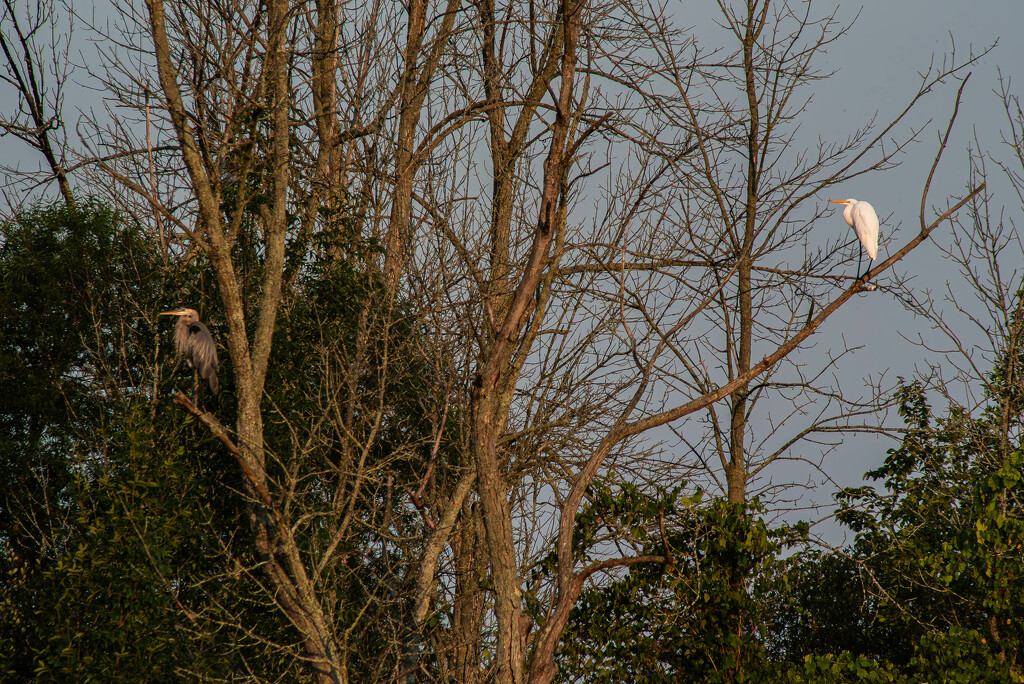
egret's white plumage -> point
(195, 343)
(862, 218)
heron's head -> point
(845, 201)
(188, 315)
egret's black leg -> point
(860, 258)
(867, 270)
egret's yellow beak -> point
(838, 201)
(178, 312)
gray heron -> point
(195, 343)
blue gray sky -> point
(877, 66)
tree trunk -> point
(501, 547)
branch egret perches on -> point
(195, 343)
(862, 218)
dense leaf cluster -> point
(125, 553)
(932, 589)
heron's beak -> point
(170, 313)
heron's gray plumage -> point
(195, 343)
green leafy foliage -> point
(948, 536)
(124, 545)
(118, 548)
(932, 587)
(344, 398)
(931, 590)
(63, 353)
(125, 548)
(693, 618)
(954, 657)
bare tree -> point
(36, 66)
(584, 228)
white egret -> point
(862, 218)
(195, 343)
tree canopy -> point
(509, 299)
